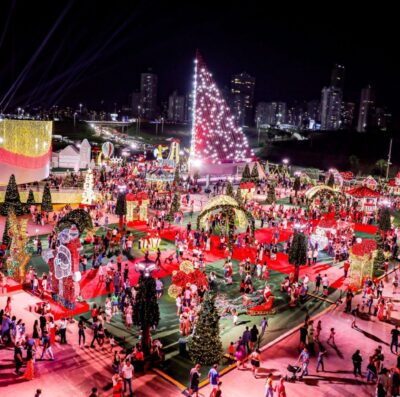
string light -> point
(216, 138)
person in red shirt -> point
(346, 268)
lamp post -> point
(162, 125)
(75, 119)
(258, 130)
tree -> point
(238, 196)
(175, 207)
(384, 219)
(31, 199)
(177, 177)
(354, 164)
(298, 252)
(47, 205)
(379, 260)
(331, 180)
(254, 174)
(205, 347)
(88, 195)
(6, 237)
(229, 190)
(103, 176)
(120, 209)
(296, 184)
(246, 177)
(379, 239)
(271, 197)
(146, 313)
(381, 165)
(12, 200)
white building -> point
(72, 158)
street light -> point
(80, 108)
(75, 119)
(258, 130)
(285, 161)
(162, 125)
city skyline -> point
(117, 53)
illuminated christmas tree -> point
(216, 138)
(88, 195)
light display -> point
(362, 256)
(18, 255)
(216, 138)
(25, 149)
(88, 195)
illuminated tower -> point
(216, 138)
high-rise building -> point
(314, 110)
(176, 108)
(276, 113)
(337, 77)
(331, 108)
(366, 109)
(261, 116)
(347, 115)
(242, 96)
(148, 95)
(188, 107)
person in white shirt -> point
(127, 374)
(305, 281)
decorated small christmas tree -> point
(88, 195)
(12, 200)
(379, 260)
(31, 199)
(384, 219)
(254, 174)
(331, 180)
(175, 207)
(271, 198)
(379, 239)
(146, 313)
(120, 209)
(205, 347)
(6, 237)
(47, 205)
(238, 196)
(246, 177)
(229, 190)
(298, 253)
(177, 177)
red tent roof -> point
(247, 185)
(136, 197)
(363, 191)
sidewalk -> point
(75, 370)
(338, 380)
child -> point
(112, 342)
(354, 313)
(332, 336)
(235, 316)
(231, 351)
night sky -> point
(96, 52)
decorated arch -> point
(325, 197)
(234, 212)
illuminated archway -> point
(234, 212)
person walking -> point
(63, 331)
(213, 377)
(264, 325)
(269, 386)
(255, 360)
(81, 332)
(320, 359)
(95, 327)
(127, 374)
(18, 357)
(318, 280)
(357, 360)
(47, 346)
(394, 343)
(194, 381)
(332, 337)
(304, 359)
(253, 337)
